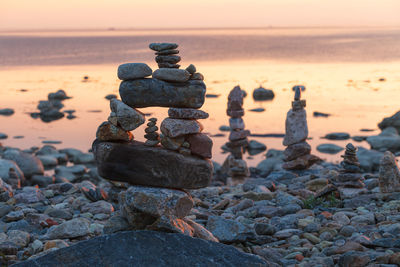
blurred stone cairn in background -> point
(297, 155)
(234, 164)
(158, 174)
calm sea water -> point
(341, 69)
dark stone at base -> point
(145, 248)
(142, 93)
(301, 163)
(138, 164)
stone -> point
(389, 174)
(97, 207)
(6, 191)
(200, 145)
(128, 118)
(264, 229)
(296, 127)
(172, 143)
(393, 121)
(142, 206)
(178, 127)
(255, 145)
(29, 195)
(187, 113)
(6, 111)
(172, 59)
(59, 95)
(57, 243)
(329, 148)
(152, 92)
(261, 94)
(3, 136)
(109, 132)
(337, 136)
(388, 139)
(197, 76)
(171, 250)
(191, 69)
(235, 100)
(200, 231)
(354, 258)
(29, 164)
(131, 71)
(301, 163)
(48, 161)
(171, 75)
(162, 46)
(151, 166)
(229, 231)
(296, 150)
(168, 65)
(238, 135)
(236, 124)
(69, 229)
(168, 52)
(19, 238)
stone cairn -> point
(297, 155)
(350, 174)
(158, 175)
(237, 167)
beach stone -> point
(97, 207)
(131, 71)
(162, 46)
(337, 136)
(171, 75)
(128, 118)
(6, 111)
(329, 148)
(197, 76)
(6, 191)
(69, 229)
(296, 127)
(187, 113)
(191, 69)
(18, 238)
(200, 145)
(172, 143)
(389, 174)
(3, 136)
(296, 150)
(29, 194)
(263, 94)
(255, 145)
(354, 258)
(393, 121)
(200, 231)
(59, 95)
(172, 59)
(171, 250)
(168, 65)
(236, 123)
(229, 231)
(109, 132)
(48, 161)
(168, 52)
(152, 92)
(151, 166)
(29, 164)
(5, 166)
(178, 127)
(301, 163)
(388, 139)
(142, 206)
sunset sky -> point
(53, 14)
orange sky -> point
(53, 14)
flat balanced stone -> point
(187, 113)
(138, 164)
(296, 127)
(128, 118)
(200, 145)
(177, 127)
(130, 71)
(171, 74)
(162, 46)
(152, 92)
(145, 248)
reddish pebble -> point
(299, 257)
(326, 214)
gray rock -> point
(229, 231)
(171, 75)
(19, 238)
(29, 195)
(140, 247)
(296, 150)
(296, 127)
(187, 113)
(255, 145)
(369, 159)
(162, 46)
(48, 161)
(191, 69)
(393, 121)
(6, 111)
(152, 92)
(329, 148)
(388, 139)
(138, 164)
(28, 163)
(128, 118)
(263, 94)
(131, 71)
(143, 206)
(5, 166)
(354, 258)
(3, 136)
(337, 136)
(389, 174)
(98, 207)
(176, 127)
(59, 95)
(70, 229)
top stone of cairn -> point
(162, 46)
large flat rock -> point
(145, 248)
(142, 93)
(138, 164)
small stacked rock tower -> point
(350, 174)
(297, 155)
(238, 136)
(159, 173)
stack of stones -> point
(297, 155)
(237, 138)
(350, 174)
(158, 175)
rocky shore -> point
(293, 209)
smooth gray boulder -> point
(388, 139)
(172, 75)
(131, 71)
(29, 164)
(145, 248)
(260, 94)
(329, 148)
(138, 164)
(393, 121)
(143, 93)
(128, 118)
(296, 127)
